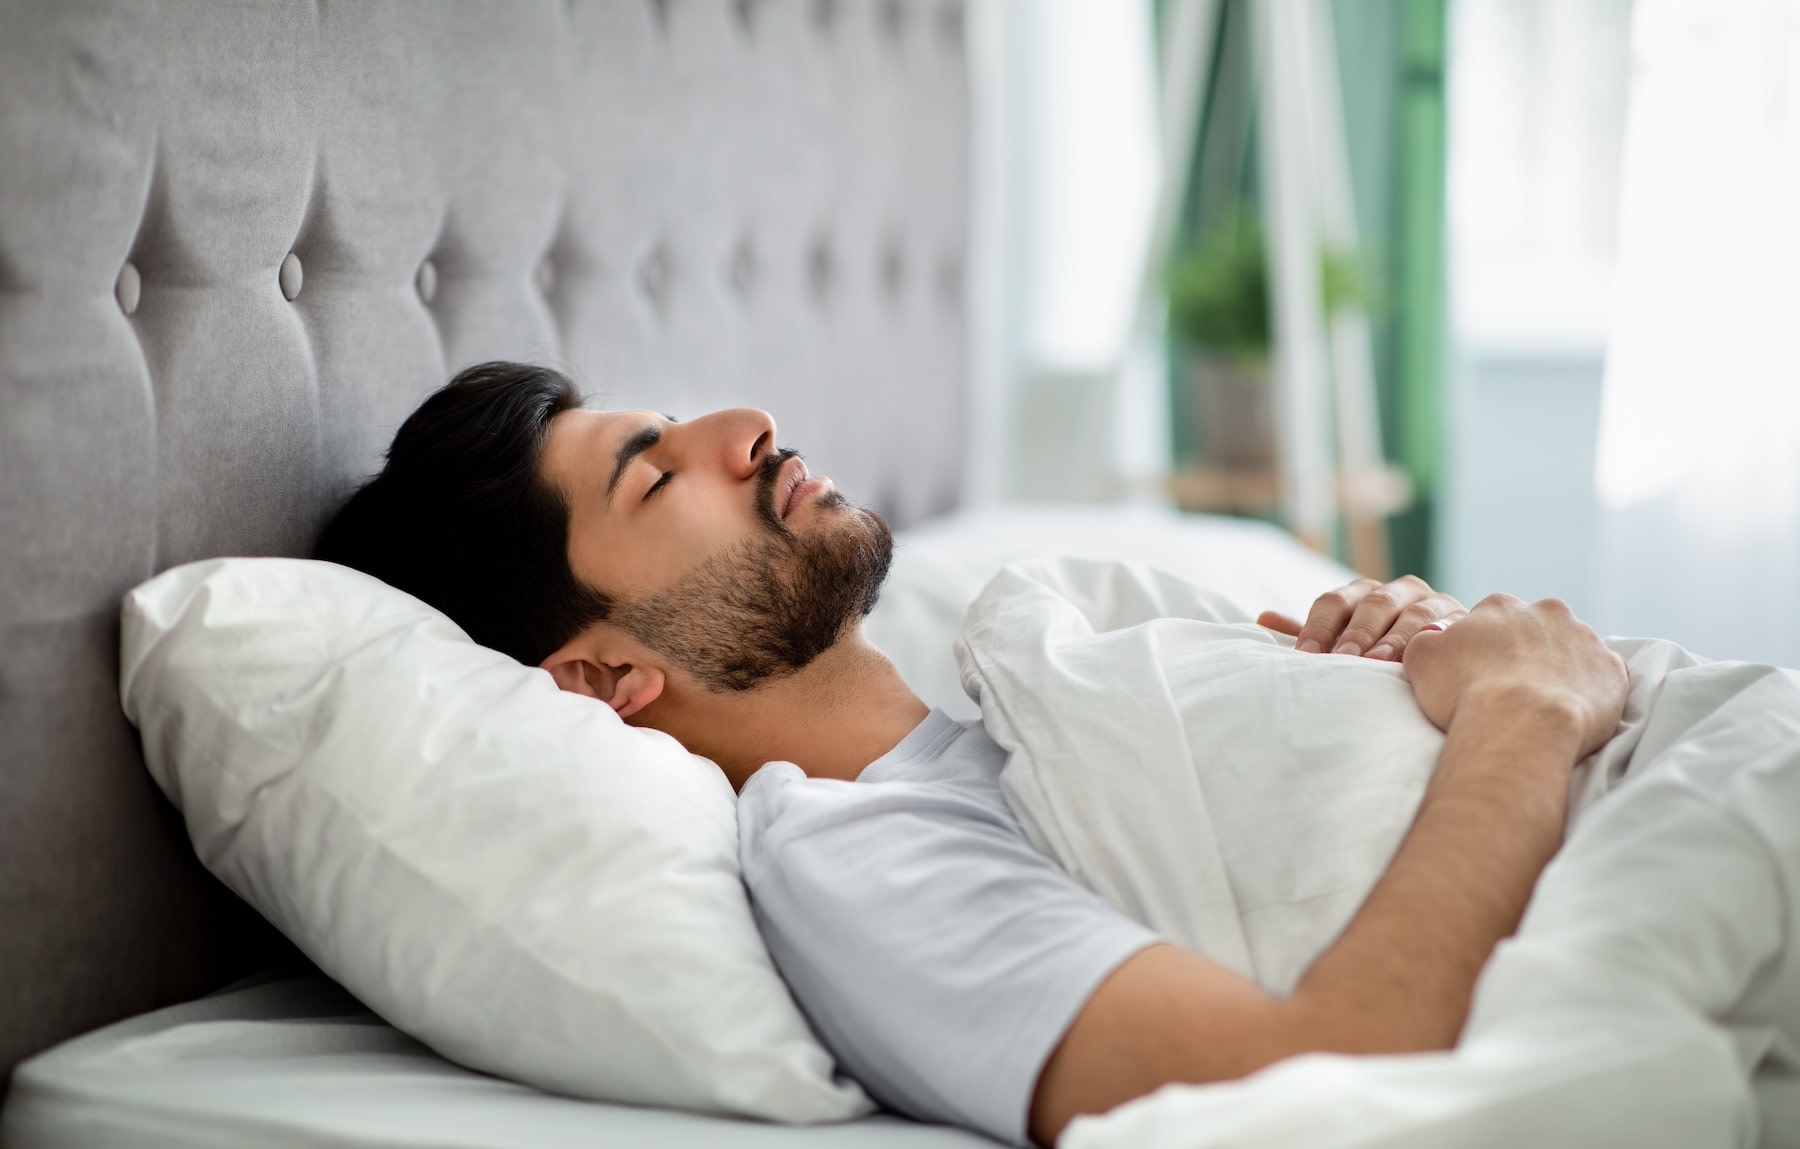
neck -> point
(831, 718)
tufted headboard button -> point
(950, 25)
(893, 270)
(745, 11)
(128, 288)
(741, 271)
(291, 277)
(653, 275)
(820, 269)
(949, 279)
(893, 20)
(426, 281)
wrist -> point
(1518, 708)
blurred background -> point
(1502, 292)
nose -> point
(742, 437)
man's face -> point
(722, 552)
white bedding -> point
(940, 567)
(1243, 799)
(1187, 766)
(299, 1063)
(1663, 1027)
(296, 1062)
(502, 869)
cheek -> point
(668, 542)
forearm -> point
(1401, 976)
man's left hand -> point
(1368, 618)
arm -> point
(1523, 692)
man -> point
(699, 580)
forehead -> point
(579, 443)
(580, 438)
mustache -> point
(766, 475)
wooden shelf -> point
(1360, 495)
(1364, 499)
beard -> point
(768, 606)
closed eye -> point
(659, 484)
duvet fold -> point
(1242, 800)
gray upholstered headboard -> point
(240, 241)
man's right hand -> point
(1536, 656)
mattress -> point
(291, 1060)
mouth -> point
(795, 485)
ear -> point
(614, 676)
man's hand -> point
(1537, 656)
(1373, 619)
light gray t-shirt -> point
(938, 954)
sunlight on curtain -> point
(1537, 104)
(1699, 458)
(1067, 168)
(1093, 179)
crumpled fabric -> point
(1242, 799)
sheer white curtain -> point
(1067, 166)
(1698, 466)
(1537, 106)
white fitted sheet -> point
(294, 1061)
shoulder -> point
(788, 821)
(937, 953)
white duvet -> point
(1242, 800)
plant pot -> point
(1230, 410)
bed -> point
(238, 244)
(289, 1059)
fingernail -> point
(1382, 651)
(1349, 648)
(1307, 646)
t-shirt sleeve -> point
(939, 955)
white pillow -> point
(505, 871)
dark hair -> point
(460, 518)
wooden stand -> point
(1327, 461)
(1364, 498)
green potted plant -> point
(1218, 295)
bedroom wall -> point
(1518, 509)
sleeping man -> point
(699, 580)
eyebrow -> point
(645, 438)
